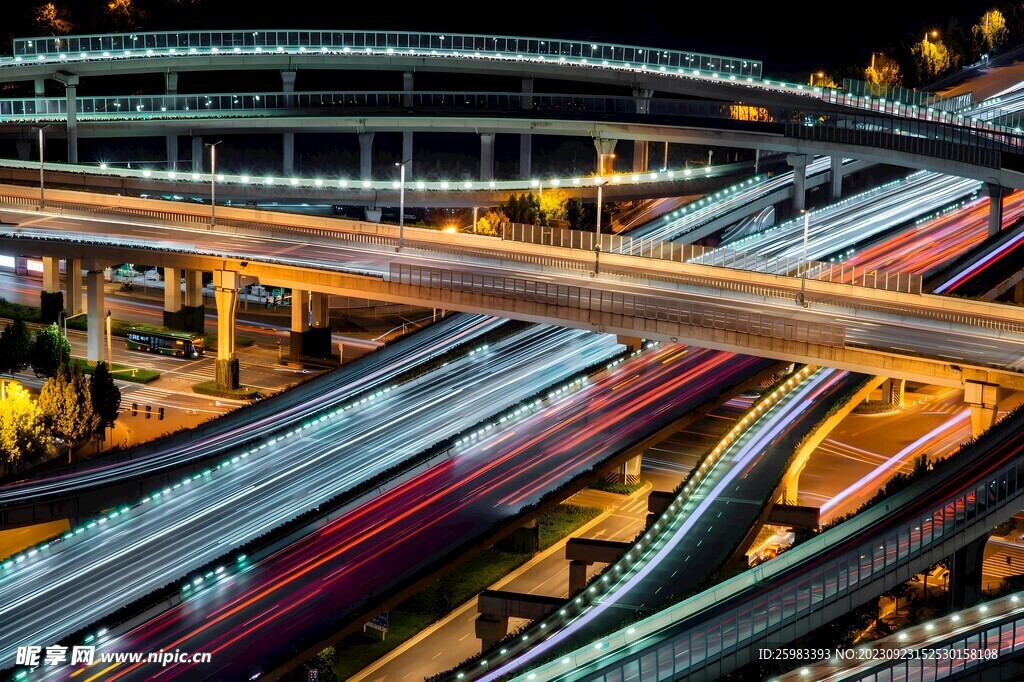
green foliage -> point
(50, 305)
(211, 388)
(620, 488)
(323, 663)
(932, 58)
(523, 208)
(66, 402)
(990, 32)
(136, 375)
(50, 352)
(578, 214)
(490, 223)
(23, 435)
(106, 397)
(15, 345)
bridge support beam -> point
(73, 275)
(96, 349)
(526, 139)
(71, 93)
(39, 87)
(582, 552)
(408, 85)
(605, 155)
(835, 185)
(632, 343)
(365, 156)
(641, 147)
(193, 312)
(995, 193)
(225, 293)
(486, 156)
(51, 274)
(288, 138)
(629, 471)
(320, 305)
(174, 313)
(24, 149)
(197, 153)
(171, 142)
(965, 574)
(525, 539)
(490, 630)
(893, 391)
(984, 401)
(170, 83)
(799, 164)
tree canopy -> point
(106, 397)
(66, 402)
(23, 435)
(15, 347)
(50, 352)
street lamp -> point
(800, 300)
(821, 74)
(110, 355)
(42, 201)
(401, 202)
(67, 317)
(213, 181)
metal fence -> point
(908, 96)
(724, 257)
(397, 42)
(682, 313)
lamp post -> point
(42, 200)
(401, 202)
(800, 300)
(213, 181)
(65, 317)
(110, 354)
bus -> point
(178, 344)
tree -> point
(932, 58)
(523, 209)
(66, 403)
(122, 15)
(578, 214)
(823, 80)
(552, 204)
(23, 433)
(883, 71)
(490, 223)
(50, 352)
(15, 346)
(990, 31)
(51, 20)
(106, 397)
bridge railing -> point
(396, 41)
(724, 257)
(869, 549)
(616, 303)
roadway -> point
(153, 543)
(368, 551)
(373, 372)
(887, 332)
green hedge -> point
(212, 389)
(136, 375)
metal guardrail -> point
(273, 40)
(628, 305)
(907, 96)
(723, 257)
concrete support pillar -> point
(197, 153)
(51, 274)
(1018, 292)
(288, 153)
(73, 275)
(640, 147)
(408, 85)
(172, 290)
(288, 80)
(225, 293)
(172, 152)
(995, 193)
(191, 316)
(365, 156)
(170, 83)
(799, 164)
(407, 153)
(836, 178)
(965, 574)
(629, 471)
(300, 310)
(71, 93)
(320, 303)
(632, 343)
(490, 630)
(577, 576)
(96, 327)
(193, 287)
(39, 87)
(605, 155)
(984, 401)
(24, 149)
(893, 390)
(487, 156)
(526, 139)
(525, 539)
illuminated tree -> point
(932, 57)
(553, 203)
(51, 20)
(823, 80)
(23, 433)
(66, 403)
(122, 14)
(490, 223)
(991, 31)
(883, 71)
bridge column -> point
(490, 630)
(365, 156)
(487, 156)
(526, 139)
(288, 138)
(836, 178)
(225, 293)
(193, 317)
(197, 153)
(965, 574)
(24, 149)
(995, 193)
(173, 313)
(51, 298)
(408, 85)
(640, 147)
(632, 343)
(51, 274)
(893, 390)
(629, 471)
(73, 275)
(71, 91)
(320, 304)
(171, 142)
(799, 164)
(39, 87)
(170, 83)
(577, 575)
(95, 310)
(300, 321)
(984, 401)
(525, 539)
(1018, 292)
(605, 155)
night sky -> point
(786, 35)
